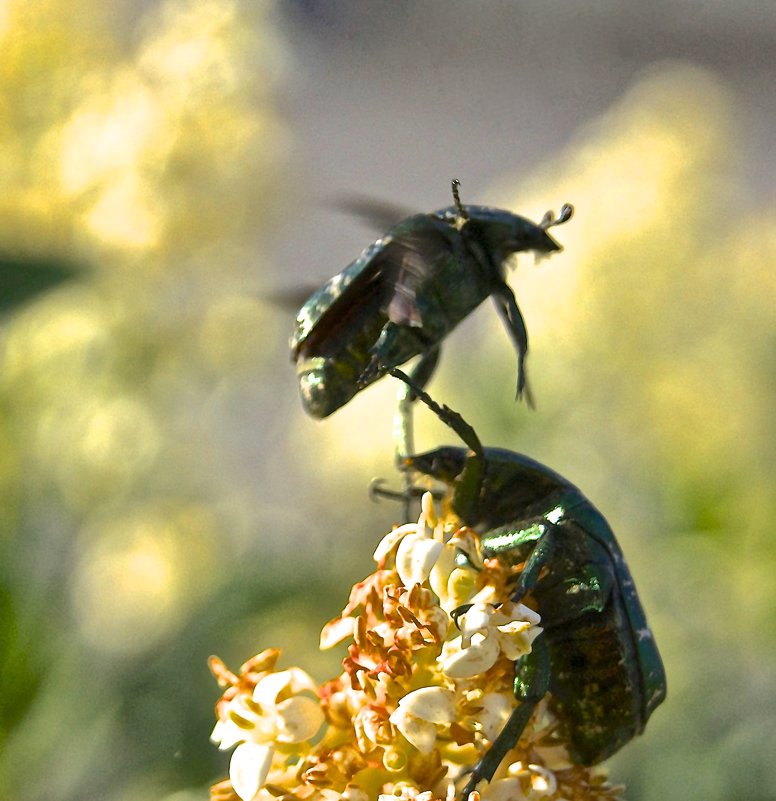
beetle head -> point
(505, 233)
(525, 235)
(444, 464)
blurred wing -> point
(412, 261)
(377, 214)
(288, 298)
(383, 280)
(23, 279)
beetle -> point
(405, 293)
(597, 656)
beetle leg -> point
(540, 556)
(406, 496)
(511, 316)
(424, 369)
(403, 435)
(376, 491)
(532, 681)
(469, 481)
(447, 415)
(589, 592)
(380, 354)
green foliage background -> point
(163, 496)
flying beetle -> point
(596, 656)
(405, 293)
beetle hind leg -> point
(403, 435)
(532, 681)
(447, 415)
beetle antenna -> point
(549, 220)
(462, 213)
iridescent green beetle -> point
(596, 656)
(405, 293)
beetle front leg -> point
(540, 556)
(380, 354)
(511, 316)
(589, 591)
(532, 681)
(397, 342)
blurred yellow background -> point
(163, 495)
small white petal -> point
(290, 681)
(476, 620)
(229, 734)
(515, 645)
(521, 612)
(461, 583)
(543, 781)
(503, 790)
(472, 661)
(419, 733)
(466, 541)
(248, 769)
(440, 573)
(511, 627)
(489, 594)
(299, 719)
(415, 558)
(496, 709)
(555, 757)
(354, 793)
(218, 733)
(438, 621)
(335, 631)
(390, 540)
(428, 516)
(434, 704)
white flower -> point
(275, 713)
(426, 550)
(248, 768)
(486, 632)
(416, 556)
(541, 784)
(495, 709)
(503, 790)
(420, 713)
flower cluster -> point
(422, 696)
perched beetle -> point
(405, 293)
(597, 656)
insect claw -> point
(524, 392)
(471, 784)
(459, 611)
(369, 374)
(377, 490)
